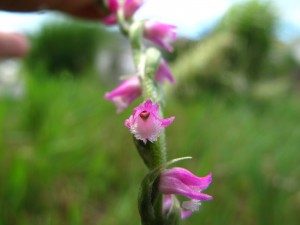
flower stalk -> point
(147, 63)
(157, 201)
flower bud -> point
(125, 93)
(131, 6)
(161, 34)
(164, 73)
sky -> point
(192, 17)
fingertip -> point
(13, 45)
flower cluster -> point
(130, 89)
(159, 33)
(145, 123)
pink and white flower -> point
(131, 6)
(180, 181)
(125, 93)
(145, 123)
(160, 33)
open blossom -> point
(180, 181)
(145, 123)
(161, 34)
(125, 93)
(164, 73)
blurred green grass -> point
(67, 158)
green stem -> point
(147, 62)
(153, 154)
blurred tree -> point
(253, 24)
(238, 54)
(66, 44)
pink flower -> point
(182, 182)
(161, 34)
(112, 6)
(131, 6)
(164, 73)
(130, 89)
(145, 123)
(125, 93)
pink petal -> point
(164, 73)
(189, 178)
(167, 203)
(110, 20)
(171, 185)
(113, 5)
(166, 122)
(131, 6)
(160, 33)
(185, 213)
(125, 93)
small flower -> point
(164, 73)
(161, 34)
(125, 93)
(112, 6)
(145, 123)
(182, 182)
(131, 6)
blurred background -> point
(67, 158)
